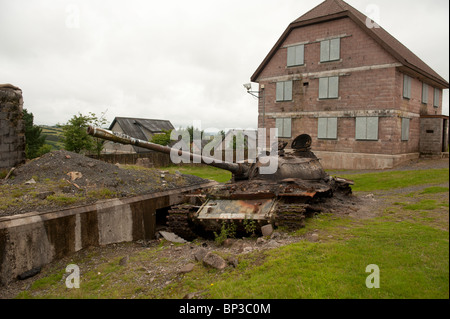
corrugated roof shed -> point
(137, 127)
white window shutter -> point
(324, 51)
(436, 98)
(333, 87)
(332, 128)
(322, 128)
(291, 56)
(323, 88)
(279, 127)
(405, 129)
(335, 49)
(372, 128)
(406, 86)
(300, 55)
(280, 91)
(361, 124)
(287, 95)
(287, 127)
(424, 93)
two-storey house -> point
(365, 99)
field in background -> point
(53, 136)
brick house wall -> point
(370, 85)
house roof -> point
(135, 127)
(337, 9)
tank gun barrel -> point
(235, 168)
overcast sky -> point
(178, 60)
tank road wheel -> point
(180, 222)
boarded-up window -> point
(406, 87)
(436, 98)
(327, 128)
(405, 129)
(367, 128)
(284, 91)
(295, 55)
(424, 93)
(329, 87)
(330, 50)
(284, 127)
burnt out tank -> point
(298, 188)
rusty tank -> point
(299, 188)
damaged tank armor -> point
(298, 189)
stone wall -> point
(12, 129)
(433, 134)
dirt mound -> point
(62, 178)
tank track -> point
(179, 221)
(292, 216)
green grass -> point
(412, 256)
(207, 172)
(408, 240)
(397, 179)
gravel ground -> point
(64, 179)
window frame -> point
(406, 124)
(407, 86)
(296, 56)
(326, 52)
(284, 121)
(436, 98)
(321, 84)
(331, 128)
(367, 122)
(424, 93)
(284, 98)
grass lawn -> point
(408, 240)
(207, 172)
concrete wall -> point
(35, 239)
(12, 129)
(433, 135)
(339, 160)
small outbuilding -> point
(143, 129)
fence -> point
(156, 158)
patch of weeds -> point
(426, 204)
(435, 190)
(62, 200)
(227, 230)
(3, 174)
(103, 193)
(250, 226)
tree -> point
(76, 138)
(162, 138)
(34, 140)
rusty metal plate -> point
(258, 209)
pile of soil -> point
(68, 174)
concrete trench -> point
(32, 240)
